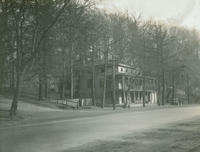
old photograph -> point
(99, 75)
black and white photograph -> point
(99, 75)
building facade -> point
(130, 86)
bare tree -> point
(25, 59)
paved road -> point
(57, 136)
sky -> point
(179, 11)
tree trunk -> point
(45, 87)
(80, 87)
(19, 73)
(40, 88)
(173, 86)
(188, 89)
(63, 83)
(12, 77)
(71, 74)
(72, 84)
(93, 82)
(162, 70)
(44, 71)
(163, 87)
(13, 109)
(114, 92)
(144, 69)
(159, 91)
(61, 88)
(144, 92)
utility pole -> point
(105, 76)
(114, 91)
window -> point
(89, 83)
(140, 82)
(101, 83)
(109, 84)
(102, 70)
